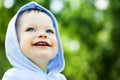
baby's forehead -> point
(31, 12)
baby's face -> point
(37, 37)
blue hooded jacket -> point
(23, 68)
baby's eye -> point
(30, 30)
(49, 31)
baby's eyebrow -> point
(51, 28)
(28, 26)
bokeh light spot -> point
(8, 3)
(56, 6)
(101, 4)
(74, 45)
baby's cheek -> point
(24, 47)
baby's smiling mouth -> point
(42, 43)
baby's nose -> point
(42, 36)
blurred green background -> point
(89, 31)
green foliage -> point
(90, 38)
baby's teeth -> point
(41, 44)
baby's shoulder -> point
(14, 74)
(9, 74)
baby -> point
(33, 46)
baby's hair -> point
(31, 10)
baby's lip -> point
(42, 43)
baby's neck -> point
(42, 64)
(44, 70)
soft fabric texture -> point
(23, 68)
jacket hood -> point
(13, 52)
